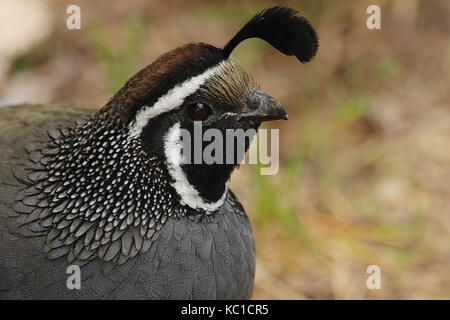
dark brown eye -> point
(198, 111)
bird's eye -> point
(198, 111)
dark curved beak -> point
(263, 108)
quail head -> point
(111, 192)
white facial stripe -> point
(189, 195)
(173, 99)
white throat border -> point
(189, 195)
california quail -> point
(107, 190)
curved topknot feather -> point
(282, 28)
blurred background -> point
(365, 158)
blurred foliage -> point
(365, 163)
(119, 64)
(30, 60)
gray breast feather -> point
(200, 257)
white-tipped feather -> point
(189, 195)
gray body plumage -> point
(110, 191)
(188, 256)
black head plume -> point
(282, 28)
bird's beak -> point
(263, 108)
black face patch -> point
(94, 192)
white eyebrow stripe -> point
(173, 99)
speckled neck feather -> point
(94, 190)
(94, 193)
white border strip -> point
(173, 99)
(189, 195)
